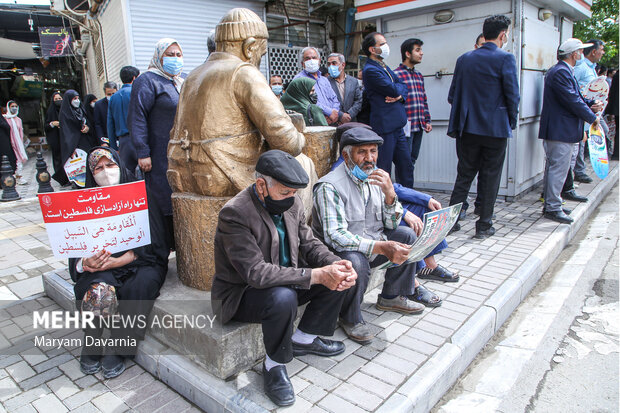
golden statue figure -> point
(225, 109)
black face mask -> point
(58, 103)
(277, 207)
(314, 98)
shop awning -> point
(13, 49)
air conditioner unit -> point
(325, 5)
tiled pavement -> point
(361, 379)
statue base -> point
(195, 220)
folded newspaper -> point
(437, 224)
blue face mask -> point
(359, 173)
(277, 89)
(172, 65)
(334, 71)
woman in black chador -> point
(52, 133)
(73, 126)
(125, 282)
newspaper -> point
(437, 224)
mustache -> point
(368, 165)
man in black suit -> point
(101, 116)
(484, 95)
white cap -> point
(571, 45)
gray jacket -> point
(352, 102)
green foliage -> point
(602, 25)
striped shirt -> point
(415, 103)
(330, 208)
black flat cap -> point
(359, 136)
(349, 125)
(282, 167)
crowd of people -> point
(360, 217)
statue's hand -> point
(145, 164)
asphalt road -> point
(559, 351)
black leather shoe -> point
(573, 196)
(567, 211)
(585, 179)
(558, 216)
(320, 347)
(278, 386)
(484, 233)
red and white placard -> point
(80, 223)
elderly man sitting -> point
(267, 263)
(356, 212)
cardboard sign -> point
(80, 223)
(597, 89)
(437, 224)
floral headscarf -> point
(96, 155)
(156, 67)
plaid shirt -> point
(415, 104)
(330, 208)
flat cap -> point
(359, 136)
(349, 125)
(282, 167)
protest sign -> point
(75, 167)
(80, 223)
(437, 224)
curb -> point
(439, 373)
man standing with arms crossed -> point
(484, 95)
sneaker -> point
(359, 332)
(399, 304)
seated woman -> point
(300, 97)
(130, 278)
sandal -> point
(439, 274)
(424, 296)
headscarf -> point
(72, 120)
(17, 134)
(52, 111)
(98, 152)
(8, 110)
(89, 111)
(95, 156)
(297, 99)
(156, 67)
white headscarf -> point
(156, 67)
(8, 110)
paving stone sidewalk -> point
(364, 378)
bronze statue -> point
(226, 108)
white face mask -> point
(312, 65)
(75, 103)
(385, 51)
(107, 177)
(506, 43)
(92, 105)
(14, 111)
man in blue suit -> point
(561, 124)
(484, 95)
(386, 96)
(101, 116)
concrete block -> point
(528, 274)
(505, 300)
(473, 335)
(396, 403)
(432, 380)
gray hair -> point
(109, 85)
(340, 56)
(211, 41)
(304, 50)
(267, 178)
(347, 150)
